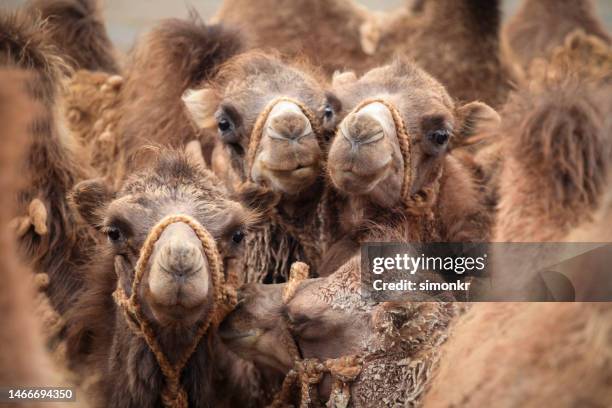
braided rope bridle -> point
(421, 201)
(224, 300)
(309, 372)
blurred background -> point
(125, 19)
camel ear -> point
(475, 118)
(343, 78)
(89, 198)
(201, 105)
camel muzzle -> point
(179, 273)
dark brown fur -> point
(76, 28)
(174, 56)
(456, 41)
(541, 25)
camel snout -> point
(179, 274)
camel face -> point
(325, 319)
(268, 118)
(255, 328)
(289, 154)
(365, 158)
(176, 287)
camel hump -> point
(185, 49)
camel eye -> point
(114, 234)
(238, 237)
(224, 125)
(328, 112)
(439, 137)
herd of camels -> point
(182, 224)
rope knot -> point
(299, 271)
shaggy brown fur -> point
(557, 165)
(173, 57)
(23, 358)
(583, 63)
(455, 41)
(91, 102)
(49, 169)
(76, 28)
(581, 55)
(100, 338)
(528, 355)
(541, 25)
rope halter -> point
(173, 394)
(309, 372)
(420, 202)
(258, 129)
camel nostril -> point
(363, 129)
(370, 124)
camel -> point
(541, 25)
(51, 236)
(455, 41)
(25, 361)
(178, 293)
(30, 324)
(273, 121)
(391, 162)
(372, 354)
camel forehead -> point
(261, 81)
(174, 173)
(400, 83)
(174, 185)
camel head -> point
(270, 118)
(326, 318)
(367, 156)
(177, 286)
